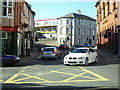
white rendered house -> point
(76, 29)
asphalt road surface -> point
(53, 73)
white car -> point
(82, 56)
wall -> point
(119, 31)
(107, 22)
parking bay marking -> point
(14, 80)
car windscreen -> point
(79, 51)
(49, 49)
(62, 45)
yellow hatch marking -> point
(100, 77)
(74, 76)
(14, 79)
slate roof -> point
(80, 16)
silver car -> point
(50, 52)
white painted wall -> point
(77, 38)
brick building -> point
(107, 19)
(13, 30)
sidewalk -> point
(30, 59)
(108, 55)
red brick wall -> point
(107, 22)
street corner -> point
(54, 75)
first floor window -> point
(10, 11)
(7, 8)
(4, 11)
(60, 30)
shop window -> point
(4, 35)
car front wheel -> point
(86, 61)
(11, 62)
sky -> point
(53, 9)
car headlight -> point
(80, 57)
(65, 57)
(17, 58)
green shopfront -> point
(11, 43)
(7, 42)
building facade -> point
(119, 28)
(46, 28)
(13, 26)
(77, 29)
(107, 20)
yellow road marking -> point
(23, 70)
(89, 77)
(34, 77)
(63, 73)
(55, 81)
(22, 79)
(1, 80)
(42, 68)
(74, 77)
(73, 74)
(12, 79)
(100, 77)
(14, 76)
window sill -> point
(7, 17)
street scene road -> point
(73, 45)
(33, 72)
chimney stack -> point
(79, 12)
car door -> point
(90, 57)
(93, 55)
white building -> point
(76, 29)
(46, 28)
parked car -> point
(86, 45)
(50, 52)
(9, 60)
(81, 55)
(73, 47)
(63, 46)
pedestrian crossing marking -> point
(72, 78)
